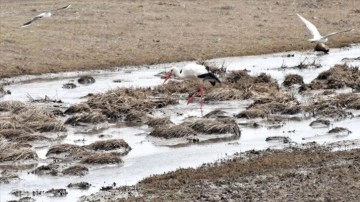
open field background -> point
(102, 34)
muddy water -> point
(146, 158)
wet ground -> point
(151, 155)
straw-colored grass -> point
(339, 76)
(93, 117)
(16, 152)
(157, 32)
(77, 170)
(101, 158)
(107, 145)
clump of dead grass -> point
(14, 106)
(51, 169)
(292, 79)
(12, 133)
(252, 113)
(339, 76)
(16, 152)
(86, 79)
(117, 104)
(77, 170)
(221, 126)
(93, 117)
(176, 131)
(66, 150)
(154, 122)
(107, 145)
(222, 94)
(78, 108)
(101, 158)
(217, 113)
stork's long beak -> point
(168, 76)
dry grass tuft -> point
(176, 131)
(77, 170)
(117, 104)
(221, 126)
(11, 106)
(334, 107)
(222, 94)
(16, 152)
(217, 113)
(86, 79)
(66, 150)
(77, 108)
(93, 117)
(252, 113)
(154, 122)
(101, 158)
(339, 76)
(292, 79)
(12, 134)
(107, 145)
(51, 169)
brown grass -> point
(93, 117)
(176, 131)
(153, 122)
(107, 145)
(339, 76)
(68, 150)
(119, 103)
(245, 178)
(156, 32)
(220, 126)
(16, 152)
(292, 79)
(252, 113)
(101, 158)
(77, 108)
(77, 170)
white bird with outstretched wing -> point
(46, 14)
(315, 32)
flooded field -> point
(153, 155)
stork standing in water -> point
(320, 40)
(197, 72)
(46, 14)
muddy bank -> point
(252, 176)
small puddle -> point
(146, 158)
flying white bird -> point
(314, 31)
(46, 14)
(194, 71)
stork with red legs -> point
(197, 72)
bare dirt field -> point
(103, 34)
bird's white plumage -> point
(44, 15)
(315, 32)
(311, 27)
(190, 71)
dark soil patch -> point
(57, 192)
(339, 129)
(86, 79)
